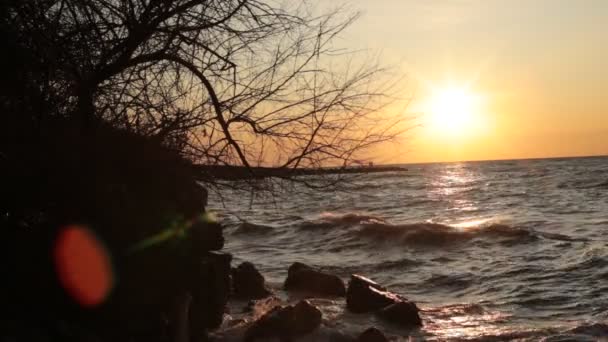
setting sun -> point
(453, 110)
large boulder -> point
(403, 313)
(301, 277)
(285, 322)
(248, 282)
(365, 295)
(372, 335)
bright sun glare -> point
(453, 110)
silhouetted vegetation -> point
(107, 104)
(222, 82)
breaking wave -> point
(425, 233)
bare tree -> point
(222, 82)
(225, 82)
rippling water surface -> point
(489, 250)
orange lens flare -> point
(83, 266)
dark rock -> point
(248, 282)
(334, 335)
(152, 278)
(404, 313)
(271, 324)
(207, 236)
(258, 307)
(307, 318)
(372, 335)
(301, 277)
(210, 289)
(364, 295)
(286, 322)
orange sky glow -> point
(493, 79)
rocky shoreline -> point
(257, 313)
(213, 300)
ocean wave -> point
(521, 194)
(592, 329)
(545, 301)
(455, 310)
(349, 218)
(602, 185)
(538, 272)
(420, 202)
(249, 228)
(451, 281)
(368, 267)
(362, 186)
(593, 263)
(417, 233)
(560, 237)
(364, 226)
(583, 184)
(440, 234)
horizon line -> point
(496, 160)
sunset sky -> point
(534, 72)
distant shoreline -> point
(225, 172)
(242, 173)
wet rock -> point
(285, 322)
(258, 307)
(271, 324)
(248, 282)
(301, 277)
(365, 295)
(329, 334)
(404, 313)
(372, 335)
(306, 318)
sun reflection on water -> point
(464, 321)
(474, 223)
(452, 181)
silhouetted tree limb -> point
(224, 82)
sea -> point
(489, 251)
